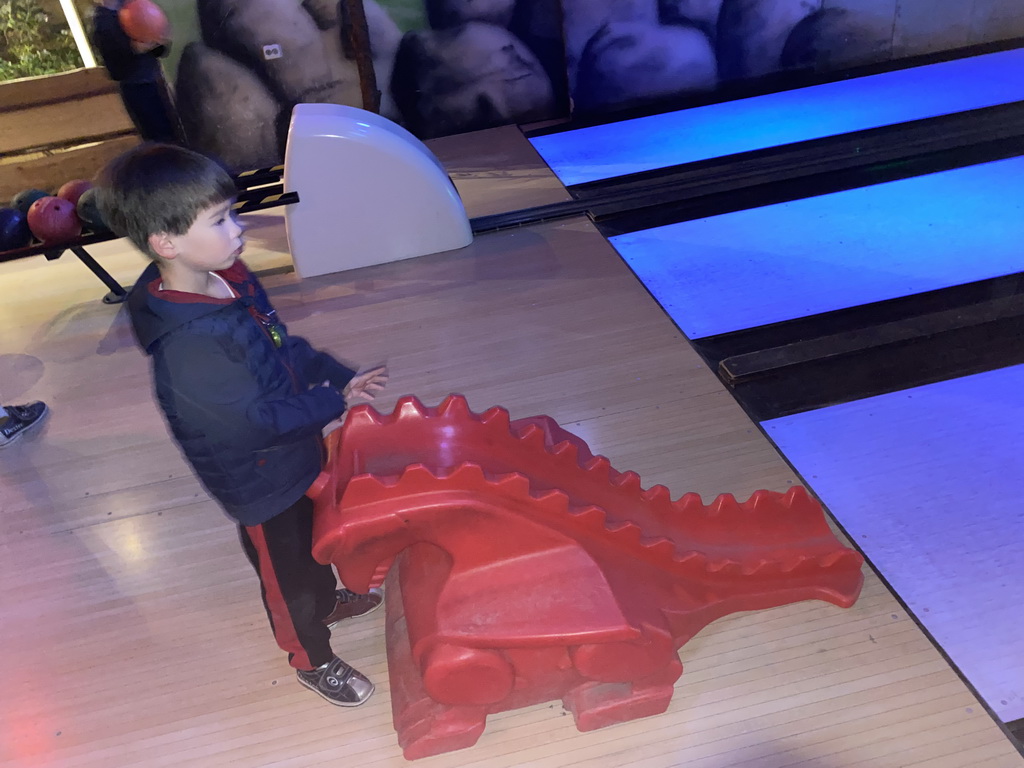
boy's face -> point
(213, 241)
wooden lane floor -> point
(770, 121)
(133, 633)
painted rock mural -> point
(449, 66)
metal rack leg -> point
(117, 292)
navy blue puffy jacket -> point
(246, 413)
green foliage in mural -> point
(407, 14)
(34, 42)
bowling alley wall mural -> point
(449, 66)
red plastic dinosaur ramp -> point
(530, 570)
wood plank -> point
(50, 171)
(28, 92)
(506, 173)
(60, 123)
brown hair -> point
(156, 188)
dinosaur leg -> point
(596, 705)
(425, 727)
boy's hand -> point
(364, 385)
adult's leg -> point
(148, 108)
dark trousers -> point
(298, 592)
(149, 106)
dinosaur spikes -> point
(554, 502)
(628, 481)
(566, 452)
(599, 468)
(532, 437)
(590, 516)
(809, 564)
(760, 567)
(794, 493)
(690, 504)
(842, 558)
(468, 474)
(409, 408)
(628, 533)
(799, 564)
(496, 418)
(798, 500)
(725, 567)
(763, 569)
(690, 557)
(725, 504)
(762, 502)
(366, 488)
(657, 495)
(454, 408)
(514, 483)
(792, 563)
(362, 416)
(659, 547)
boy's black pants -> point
(298, 592)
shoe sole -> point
(336, 703)
(350, 618)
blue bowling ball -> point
(89, 213)
(24, 199)
(14, 231)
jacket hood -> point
(156, 313)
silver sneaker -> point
(337, 682)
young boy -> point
(245, 401)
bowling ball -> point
(14, 231)
(24, 199)
(72, 190)
(89, 212)
(144, 21)
(53, 220)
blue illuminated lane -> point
(929, 483)
(718, 130)
(785, 261)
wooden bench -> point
(59, 127)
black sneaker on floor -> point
(337, 682)
(351, 604)
(19, 420)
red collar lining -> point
(237, 276)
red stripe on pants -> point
(281, 619)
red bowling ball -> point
(144, 21)
(73, 190)
(53, 220)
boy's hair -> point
(157, 188)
